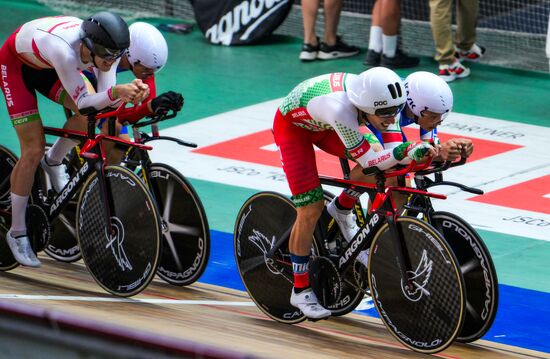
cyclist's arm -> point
(136, 113)
(393, 136)
(106, 80)
(342, 118)
(64, 60)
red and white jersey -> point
(322, 104)
(54, 43)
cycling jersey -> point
(51, 43)
(318, 112)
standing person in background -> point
(448, 56)
(384, 31)
(332, 47)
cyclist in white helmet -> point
(429, 101)
(146, 55)
(326, 111)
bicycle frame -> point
(383, 210)
(140, 139)
(94, 161)
(423, 183)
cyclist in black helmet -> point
(47, 55)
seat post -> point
(91, 126)
(345, 167)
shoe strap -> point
(50, 165)
(19, 236)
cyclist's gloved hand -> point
(417, 151)
(413, 150)
(167, 101)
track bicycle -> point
(117, 224)
(185, 232)
(476, 264)
(474, 258)
(413, 275)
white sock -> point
(18, 210)
(60, 148)
(390, 45)
(375, 38)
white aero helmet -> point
(427, 91)
(147, 46)
(378, 91)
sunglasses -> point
(434, 117)
(389, 111)
(107, 54)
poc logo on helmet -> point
(380, 103)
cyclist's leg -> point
(340, 208)
(55, 92)
(298, 159)
(23, 110)
(32, 142)
(114, 154)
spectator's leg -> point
(392, 57)
(391, 15)
(309, 16)
(466, 19)
(333, 47)
(375, 36)
(440, 19)
(332, 18)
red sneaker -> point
(453, 71)
(474, 54)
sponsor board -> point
(510, 164)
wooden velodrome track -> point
(218, 317)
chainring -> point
(38, 227)
(325, 281)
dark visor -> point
(389, 111)
(107, 54)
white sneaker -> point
(345, 218)
(308, 303)
(21, 249)
(454, 71)
(57, 173)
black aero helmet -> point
(105, 34)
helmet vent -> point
(398, 87)
(395, 90)
(393, 93)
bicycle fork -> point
(106, 198)
(403, 260)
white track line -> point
(125, 300)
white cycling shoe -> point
(348, 226)
(21, 249)
(308, 303)
(57, 173)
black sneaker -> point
(309, 52)
(400, 61)
(372, 58)
(338, 50)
